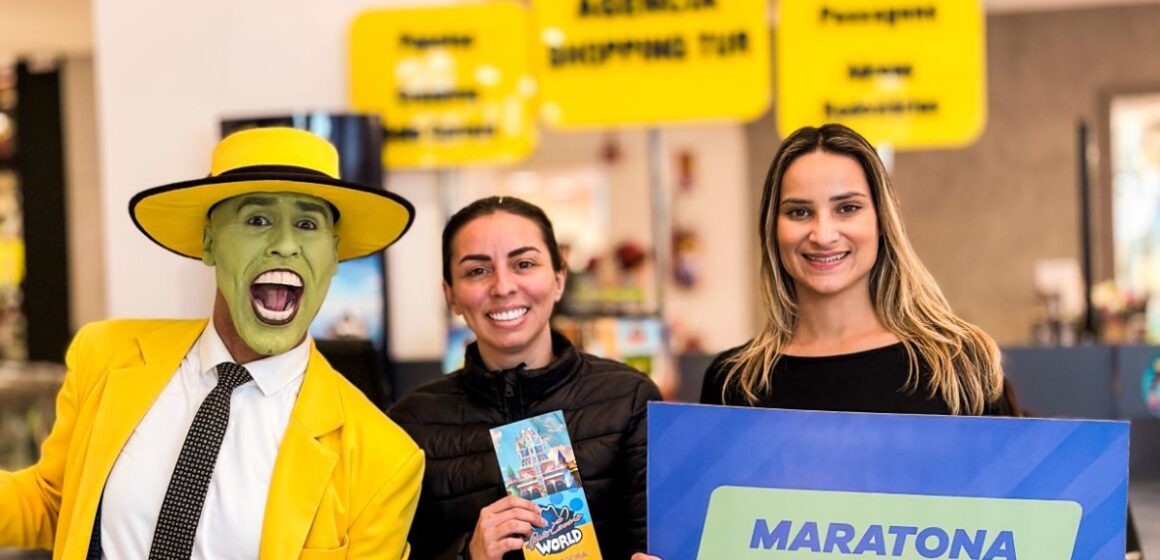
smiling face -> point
(503, 284)
(274, 256)
(827, 228)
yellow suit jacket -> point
(345, 483)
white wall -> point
(83, 193)
(418, 315)
(718, 309)
(45, 27)
(167, 72)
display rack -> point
(27, 397)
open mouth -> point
(275, 295)
(508, 314)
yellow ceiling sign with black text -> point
(908, 73)
(613, 62)
(452, 83)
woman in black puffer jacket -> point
(503, 273)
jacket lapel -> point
(127, 395)
(304, 465)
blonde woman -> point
(853, 320)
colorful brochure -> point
(537, 463)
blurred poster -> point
(13, 342)
(1150, 386)
(1135, 146)
(641, 342)
(458, 338)
(636, 341)
(354, 306)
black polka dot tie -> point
(181, 509)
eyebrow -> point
(485, 258)
(835, 198)
(253, 200)
(268, 201)
(307, 206)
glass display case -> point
(27, 411)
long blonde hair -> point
(964, 362)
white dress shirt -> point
(231, 520)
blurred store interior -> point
(1039, 229)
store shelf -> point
(23, 380)
(27, 397)
(11, 554)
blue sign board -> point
(739, 483)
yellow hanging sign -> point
(453, 83)
(613, 62)
(909, 73)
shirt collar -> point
(531, 383)
(270, 374)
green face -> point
(274, 255)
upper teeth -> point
(282, 277)
(829, 259)
(509, 314)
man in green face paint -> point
(230, 437)
(274, 256)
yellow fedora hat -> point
(272, 160)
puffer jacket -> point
(604, 404)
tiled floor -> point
(1145, 499)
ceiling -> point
(56, 27)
